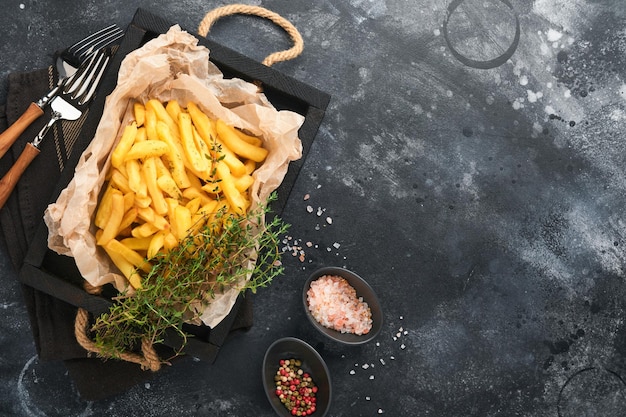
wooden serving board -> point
(58, 275)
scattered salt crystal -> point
(367, 398)
(380, 411)
(352, 372)
(398, 334)
(365, 366)
(309, 209)
(392, 358)
(371, 376)
(329, 220)
(405, 332)
(553, 35)
(22, 6)
(382, 361)
(377, 343)
(319, 211)
(401, 317)
(306, 197)
(147, 385)
(395, 338)
(402, 346)
(336, 245)
(309, 244)
(401, 328)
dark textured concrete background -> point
(485, 206)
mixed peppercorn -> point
(295, 388)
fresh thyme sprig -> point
(222, 255)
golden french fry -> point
(170, 242)
(135, 182)
(243, 183)
(137, 243)
(227, 185)
(124, 145)
(182, 222)
(224, 153)
(193, 192)
(129, 201)
(162, 115)
(162, 170)
(150, 177)
(202, 122)
(156, 243)
(150, 216)
(150, 124)
(120, 181)
(142, 201)
(202, 146)
(250, 166)
(109, 231)
(174, 155)
(173, 109)
(237, 145)
(130, 255)
(141, 134)
(167, 184)
(185, 129)
(129, 218)
(194, 205)
(104, 208)
(140, 113)
(252, 140)
(147, 149)
(126, 268)
(172, 203)
(144, 230)
(208, 208)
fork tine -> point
(83, 78)
(94, 80)
(86, 42)
(100, 42)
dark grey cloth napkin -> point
(52, 320)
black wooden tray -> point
(58, 275)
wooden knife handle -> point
(10, 179)
(9, 136)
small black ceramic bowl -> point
(363, 289)
(312, 363)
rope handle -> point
(147, 359)
(294, 51)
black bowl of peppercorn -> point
(296, 379)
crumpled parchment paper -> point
(172, 66)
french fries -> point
(172, 170)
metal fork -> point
(67, 65)
(69, 104)
(70, 58)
